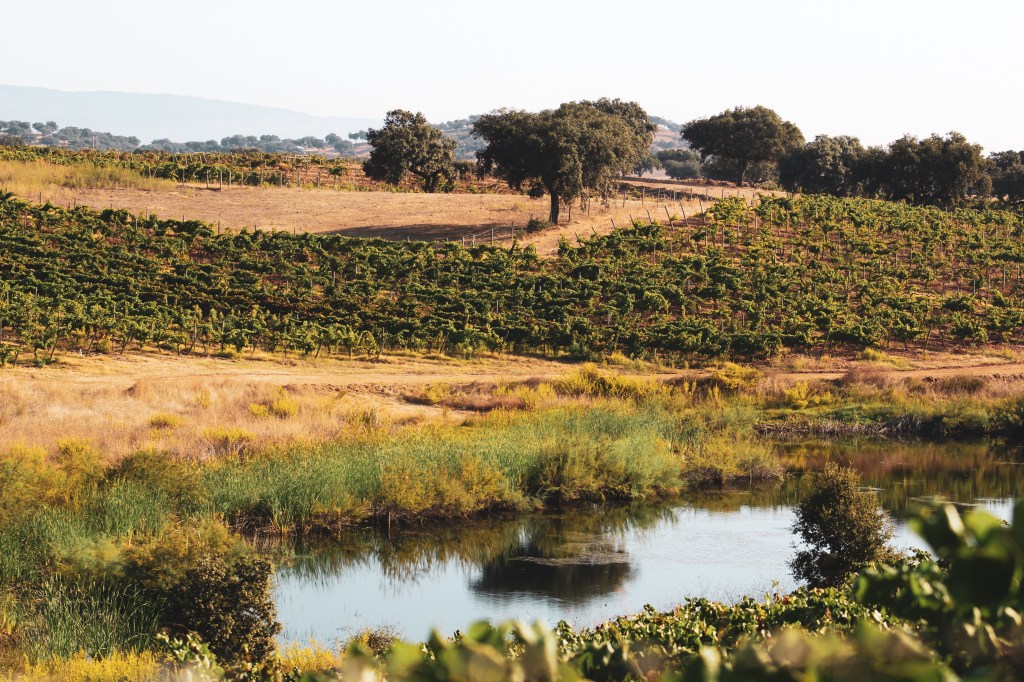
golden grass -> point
(191, 417)
(34, 178)
(202, 407)
(116, 667)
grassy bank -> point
(99, 556)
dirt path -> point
(125, 371)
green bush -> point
(228, 603)
(844, 527)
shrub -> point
(536, 225)
(844, 527)
(259, 410)
(962, 383)
(81, 465)
(732, 378)
(1010, 416)
(880, 357)
(227, 440)
(228, 603)
(159, 472)
(163, 420)
(284, 407)
(26, 482)
(802, 395)
(588, 381)
(435, 394)
(281, 407)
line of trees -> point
(49, 134)
(756, 144)
(264, 143)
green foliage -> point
(826, 165)
(63, 617)
(228, 604)
(565, 152)
(806, 273)
(742, 136)
(967, 602)
(408, 144)
(844, 527)
(176, 481)
(1007, 169)
(681, 163)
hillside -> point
(814, 273)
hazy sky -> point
(872, 68)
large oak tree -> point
(408, 144)
(742, 136)
(565, 152)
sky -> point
(874, 69)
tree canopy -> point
(408, 144)
(742, 136)
(565, 152)
(1007, 170)
(680, 163)
(939, 171)
(844, 527)
(826, 165)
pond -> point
(590, 564)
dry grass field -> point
(365, 214)
(202, 407)
(389, 215)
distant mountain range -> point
(180, 118)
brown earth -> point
(388, 215)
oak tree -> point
(565, 152)
(408, 144)
(742, 136)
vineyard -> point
(812, 273)
(248, 168)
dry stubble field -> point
(378, 214)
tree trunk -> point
(742, 172)
(553, 215)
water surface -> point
(590, 564)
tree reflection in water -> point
(570, 555)
(579, 554)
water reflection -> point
(907, 474)
(569, 556)
(592, 563)
(573, 558)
